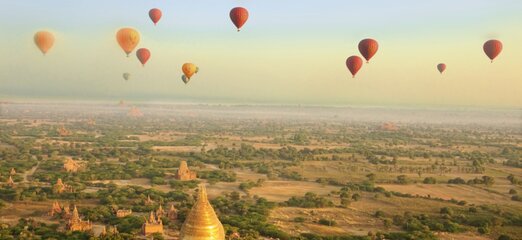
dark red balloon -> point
(155, 15)
(492, 48)
(239, 16)
(441, 67)
(368, 47)
(354, 64)
(143, 55)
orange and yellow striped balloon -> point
(189, 69)
(128, 39)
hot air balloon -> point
(128, 39)
(189, 69)
(155, 15)
(492, 48)
(143, 55)
(441, 67)
(354, 64)
(368, 47)
(126, 76)
(185, 79)
(239, 16)
(44, 41)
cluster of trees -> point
(486, 180)
(309, 200)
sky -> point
(289, 52)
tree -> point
(371, 177)
(488, 181)
(402, 179)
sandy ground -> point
(280, 191)
(467, 193)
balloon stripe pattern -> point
(128, 39)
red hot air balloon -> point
(143, 55)
(368, 47)
(239, 16)
(354, 64)
(441, 67)
(492, 48)
(155, 15)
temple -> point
(149, 201)
(63, 132)
(61, 187)
(10, 182)
(389, 127)
(202, 222)
(172, 214)
(160, 212)
(152, 225)
(184, 172)
(121, 213)
(77, 224)
(71, 166)
(55, 209)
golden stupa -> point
(202, 222)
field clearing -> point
(178, 148)
(466, 193)
(349, 221)
(280, 191)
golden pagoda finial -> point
(202, 222)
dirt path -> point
(30, 173)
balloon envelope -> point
(492, 48)
(441, 67)
(143, 55)
(354, 64)
(126, 76)
(368, 47)
(155, 15)
(239, 16)
(185, 79)
(189, 69)
(128, 39)
(44, 41)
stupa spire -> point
(202, 222)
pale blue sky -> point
(289, 51)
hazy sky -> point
(289, 52)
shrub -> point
(327, 222)
(430, 180)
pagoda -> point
(55, 209)
(61, 187)
(184, 172)
(172, 214)
(202, 222)
(152, 225)
(10, 182)
(77, 224)
(160, 212)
